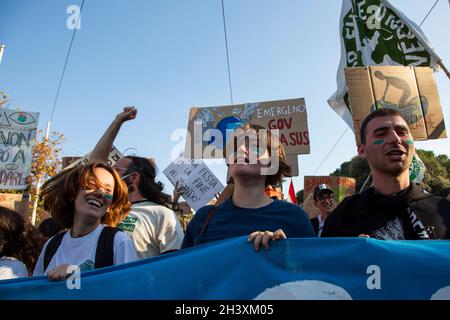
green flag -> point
(374, 33)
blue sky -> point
(166, 56)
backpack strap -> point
(104, 255)
(52, 247)
(205, 225)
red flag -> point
(291, 195)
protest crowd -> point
(105, 214)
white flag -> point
(417, 169)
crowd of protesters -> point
(103, 215)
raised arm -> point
(104, 145)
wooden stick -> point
(441, 64)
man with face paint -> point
(393, 208)
(152, 226)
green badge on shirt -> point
(128, 224)
(87, 265)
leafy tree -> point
(300, 196)
(356, 168)
(46, 163)
(4, 99)
(437, 174)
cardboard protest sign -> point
(17, 202)
(292, 161)
(431, 105)
(17, 136)
(66, 161)
(289, 116)
(375, 33)
(9, 200)
(411, 91)
(341, 186)
(113, 157)
(198, 183)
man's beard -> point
(395, 171)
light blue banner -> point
(340, 268)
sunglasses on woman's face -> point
(128, 175)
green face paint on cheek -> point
(107, 196)
(410, 141)
(378, 141)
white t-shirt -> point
(81, 251)
(11, 268)
(154, 229)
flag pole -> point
(2, 49)
(441, 64)
(365, 182)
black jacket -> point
(315, 224)
(369, 211)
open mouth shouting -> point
(396, 154)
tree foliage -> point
(46, 163)
(300, 196)
(4, 99)
(356, 168)
(437, 175)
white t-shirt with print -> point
(81, 251)
(11, 268)
(154, 229)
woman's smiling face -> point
(93, 201)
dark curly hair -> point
(49, 227)
(19, 239)
(148, 186)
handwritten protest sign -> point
(113, 157)
(411, 91)
(17, 202)
(66, 161)
(17, 136)
(292, 161)
(198, 183)
(288, 116)
(341, 186)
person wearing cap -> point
(324, 201)
(393, 208)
